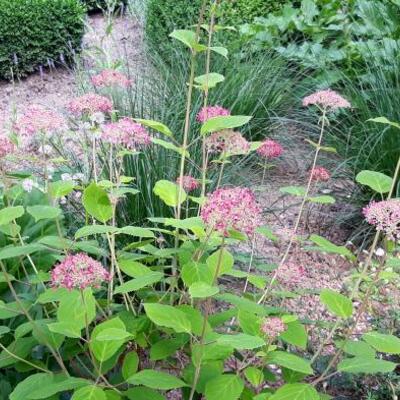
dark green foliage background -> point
(36, 31)
(162, 17)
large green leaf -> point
(295, 334)
(97, 203)
(143, 393)
(365, 365)
(89, 393)
(326, 246)
(377, 181)
(139, 283)
(209, 80)
(156, 380)
(157, 126)
(220, 261)
(168, 316)
(130, 365)
(226, 387)
(227, 122)
(9, 214)
(296, 391)
(290, 361)
(241, 341)
(43, 212)
(336, 303)
(104, 350)
(168, 192)
(382, 342)
(202, 290)
(384, 120)
(21, 347)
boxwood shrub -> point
(38, 32)
(162, 17)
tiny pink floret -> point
(188, 183)
(79, 271)
(232, 208)
(270, 149)
(127, 133)
(320, 174)
(272, 327)
(385, 216)
(89, 104)
(211, 112)
(327, 99)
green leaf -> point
(336, 303)
(60, 188)
(241, 341)
(326, 246)
(170, 146)
(193, 272)
(169, 193)
(97, 203)
(168, 317)
(139, 283)
(202, 290)
(294, 190)
(111, 334)
(18, 251)
(43, 212)
(357, 348)
(21, 347)
(94, 230)
(267, 232)
(220, 262)
(384, 120)
(65, 328)
(157, 126)
(384, 343)
(136, 231)
(104, 350)
(296, 391)
(226, 387)
(166, 347)
(322, 199)
(130, 365)
(89, 393)
(254, 375)
(290, 361)
(223, 51)
(186, 37)
(4, 330)
(377, 181)
(295, 334)
(9, 214)
(209, 81)
(156, 380)
(365, 365)
(220, 123)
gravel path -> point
(54, 87)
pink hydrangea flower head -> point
(385, 216)
(6, 145)
(111, 78)
(126, 133)
(327, 99)
(290, 274)
(270, 149)
(232, 208)
(211, 112)
(89, 104)
(272, 327)
(188, 182)
(320, 174)
(39, 120)
(78, 271)
(227, 141)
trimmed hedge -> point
(38, 32)
(162, 17)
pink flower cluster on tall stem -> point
(327, 99)
(188, 183)
(232, 208)
(111, 78)
(320, 174)
(227, 141)
(79, 271)
(385, 216)
(89, 104)
(272, 327)
(39, 120)
(211, 112)
(270, 149)
(127, 133)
